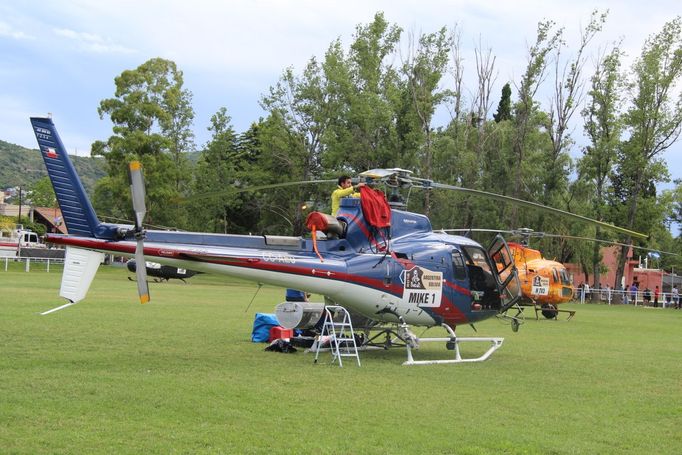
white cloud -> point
(92, 43)
(10, 32)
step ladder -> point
(341, 336)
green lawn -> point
(180, 375)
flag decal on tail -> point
(51, 153)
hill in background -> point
(20, 166)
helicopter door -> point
(482, 278)
(507, 276)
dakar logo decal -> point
(540, 286)
(422, 287)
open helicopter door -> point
(507, 277)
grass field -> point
(180, 375)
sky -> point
(61, 57)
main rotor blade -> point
(137, 190)
(141, 272)
(477, 230)
(560, 236)
(610, 242)
(535, 205)
(524, 233)
(235, 190)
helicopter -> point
(391, 268)
(161, 272)
(545, 283)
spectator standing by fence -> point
(633, 293)
(625, 294)
(647, 297)
(676, 297)
(657, 294)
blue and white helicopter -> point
(399, 273)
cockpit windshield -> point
(565, 277)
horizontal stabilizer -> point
(80, 267)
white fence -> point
(665, 299)
(28, 262)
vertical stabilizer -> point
(77, 211)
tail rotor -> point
(138, 195)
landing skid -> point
(401, 336)
(515, 320)
(452, 343)
(550, 311)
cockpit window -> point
(476, 256)
(555, 275)
(565, 278)
(481, 278)
(458, 265)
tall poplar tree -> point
(603, 126)
(654, 123)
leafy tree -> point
(150, 113)
(366, 95)
(526, 115)
(568, 96)
(223, 166)
(299, 102)
(603, 127)
(676, 214)
(42, 193)
(424, 69)
(653, 122)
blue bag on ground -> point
(261, 327)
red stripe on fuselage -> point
(459, 288)
(448, 311)
(243, 262)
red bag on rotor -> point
(375, 207)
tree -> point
(424, 69)
(504, 107)
(653, 122)
(526, 110)
(676, 214)
(603, 127)
(365, 96)
(42, 193)
(150, 113)
(215, 172)
(567, 97)
(177, 127)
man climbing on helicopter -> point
(344, 189)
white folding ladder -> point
(340, 335)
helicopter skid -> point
(453, 343)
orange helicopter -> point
(544, 283)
